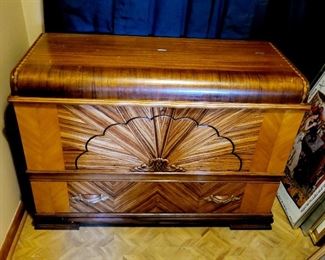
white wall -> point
(18, 28)
(33, 16)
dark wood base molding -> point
(86, 175)
(234, 221)
(13, 232)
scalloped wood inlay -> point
(125, 139)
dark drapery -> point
(229, 19)
(295, 26)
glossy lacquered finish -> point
(125, 162)
(151, 131)
(144, 68)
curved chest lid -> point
(152, 68)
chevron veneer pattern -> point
(121, 138)
(155, 197)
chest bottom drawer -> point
(153, 197)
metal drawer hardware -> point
(89, 198)
(219, 199)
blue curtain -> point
(228, 19)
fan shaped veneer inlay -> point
(183, 131)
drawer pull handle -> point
(89, 198)
(219, 199)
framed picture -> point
(317, 233)
(303, 186)
(309, 224)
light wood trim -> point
(285, 139)
(258, 197)
(14, 231)
(251, 194)
(266, 197)
(155, 103)
(267, 137)
(275, 140)
(40, 134)
(50, 197)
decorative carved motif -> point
(158, 165)
(219, 199)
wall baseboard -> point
(13, 233)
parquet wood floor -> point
(138, 243)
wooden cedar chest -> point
(140, 130)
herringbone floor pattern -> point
(138, 243)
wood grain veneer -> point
(275, 140)
(40, 134)
(124, 67)
(158, 197)
(140, 130)
(50, 197)
(154, 197)
(190, 139)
